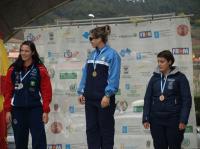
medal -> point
(94, 73)
(19, 86)
(162, 97)
(162, 86)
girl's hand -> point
(45, 118)
(105, 102)
(146, 125)
(8, 117)
(81, 99)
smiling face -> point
(26, 53)
(163, 64)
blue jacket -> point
(106, 82)
(177, 101)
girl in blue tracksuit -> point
(167, 104)
(97, 89)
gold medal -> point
(94, 73)
(162, 97)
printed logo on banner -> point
(68, 146)
(180, 51)
(68, 75)
(156, 34)
(126, 146)
(126, 69)
(72, 109)
(125, 72)
(189, 129)
(72, 90)
(32, 37)
(86, 35)
(162, 33)
(56, 107)
(68, 54)
(54, 146)
(186, 142)
(127, 86)
(138, 55)
(53, 54)
(124, 129)
(121, 105)
(128, 36)
(148, 144)
(133, 90)
(182, 30)
(125, 52)
(51, 36)
(73, 87)
(56, 127)
(145, 34)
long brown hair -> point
(18, 64)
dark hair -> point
(167, 55)
(18, 64)
(101, 32)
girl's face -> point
(163, 64)
(95, 42)
(26, 53)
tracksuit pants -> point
(166, 134)
(100, 124)
(25, 120)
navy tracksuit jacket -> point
(100, 121)
(165, 116)
(28, 103)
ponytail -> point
(101, 32)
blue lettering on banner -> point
(71, 109)
(124, 129)
(127, 86)
(139, 56)
(125, 52)
(68, 146)
(156, 34)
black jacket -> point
(177, 94)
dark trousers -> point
(25, 120)
(100, 124)
(166, 135)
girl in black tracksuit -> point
(167, 104)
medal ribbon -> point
(96, 55)
(22, 78)
(162, 86)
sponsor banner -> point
(65, 50)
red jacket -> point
(44, 88)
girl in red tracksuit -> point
(28, 95)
